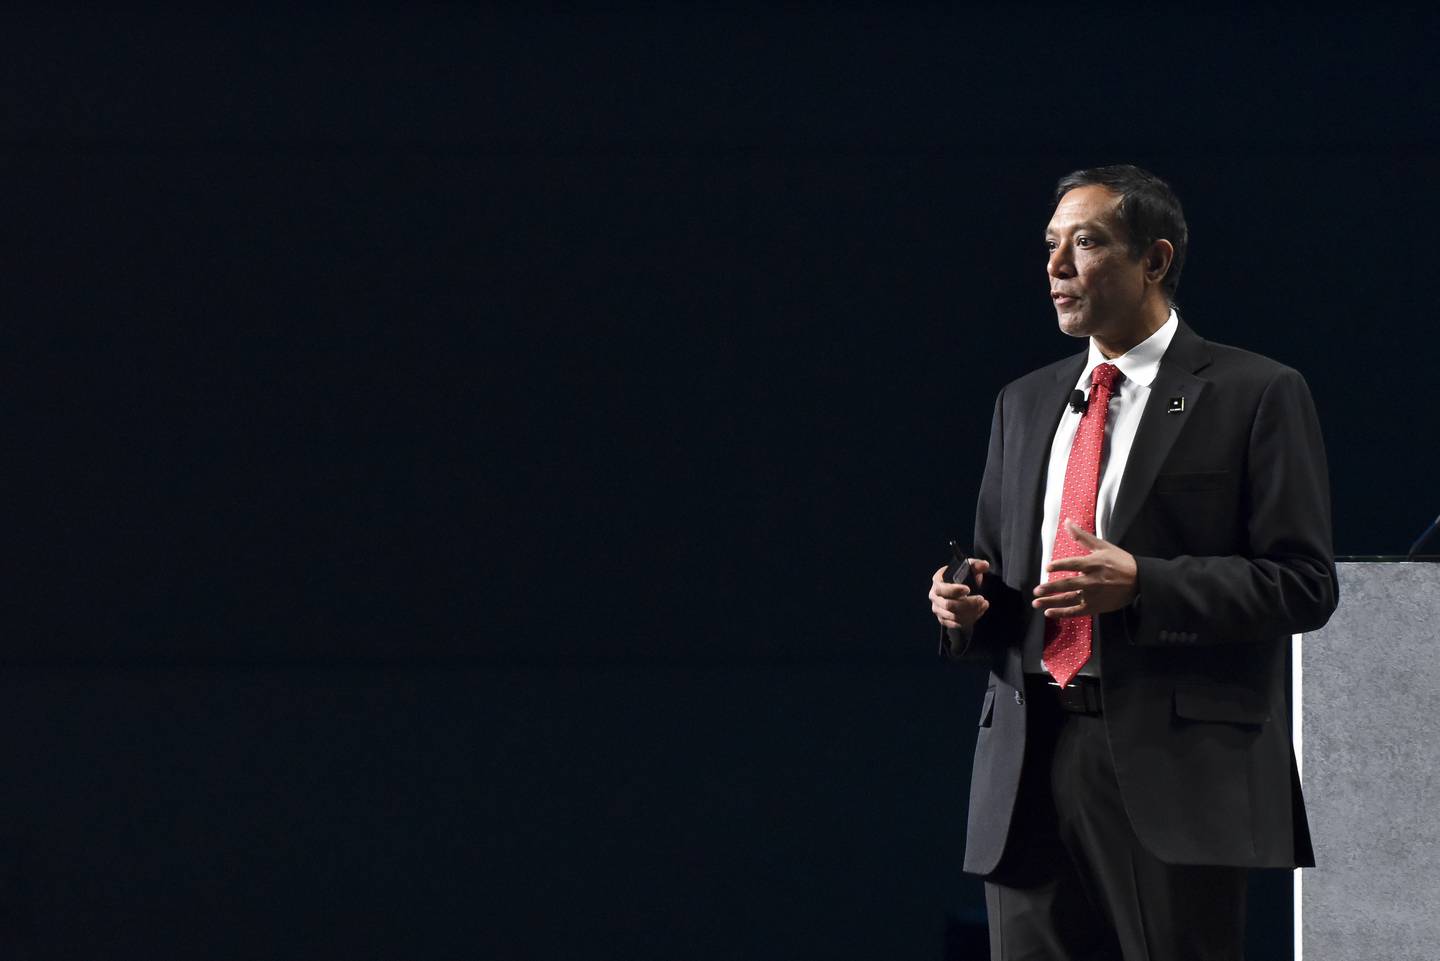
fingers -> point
(939, 587)
(1066, 601)
(943, 607)
(1083, 537)
(955, 605)
(1062, 597)
(960, 613)
(949, 591)
(938, 584)
(1062, 585)
(977, 570)
(1083, 564)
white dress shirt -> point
(1140, 365)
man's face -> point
(1097, 286)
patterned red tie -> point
(1067, 640)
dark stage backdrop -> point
(477, 473)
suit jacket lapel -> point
(1041, 415)
(1187, 354)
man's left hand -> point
(1104, 579)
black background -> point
(477, 470)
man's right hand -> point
(953, 604)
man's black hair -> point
(1148, 208)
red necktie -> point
(1067, 640)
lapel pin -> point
(1177, 406)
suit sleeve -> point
(1286, 582)
(997, 627)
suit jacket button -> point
(1164, 635)
(1019, 698)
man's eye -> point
(1050, 245)
(1082, 241)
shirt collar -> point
(1141, 363)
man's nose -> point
(1060, 264)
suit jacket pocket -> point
(1209, 480)
(987, 710)
(1216, 702)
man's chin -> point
(1073, 325)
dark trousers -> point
(1075, 883)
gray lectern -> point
(1367, 731)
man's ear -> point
(1158, 259)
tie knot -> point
(1106, 375)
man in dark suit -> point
(1153, 526)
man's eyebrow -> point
(1082, 225)
(1073, 228)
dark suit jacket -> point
(1226, 508)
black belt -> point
(1080, 696)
